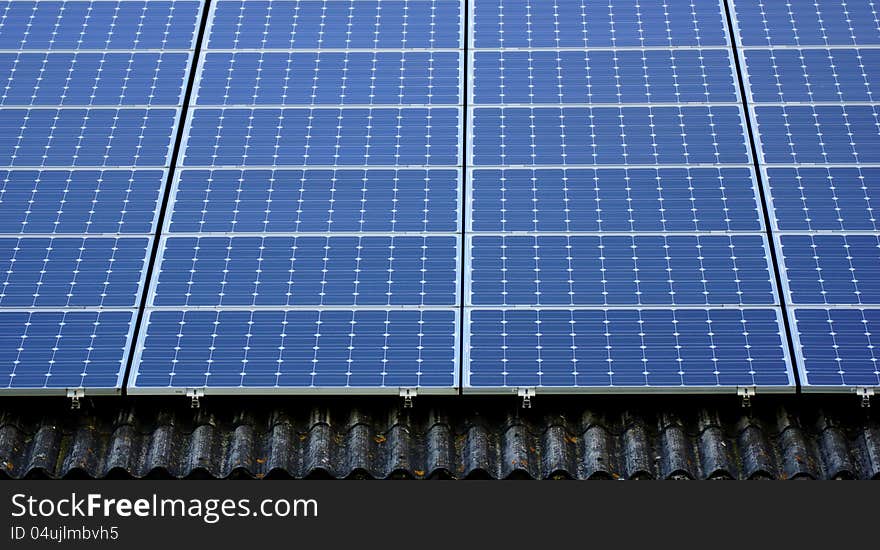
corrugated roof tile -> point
(560, 439)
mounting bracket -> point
(526, 394)
(408, 394)
(75, 394)
(746, 394)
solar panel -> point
(616, 235)
(313, 239)
(812, 69)
(90, 93)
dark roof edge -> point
(582, 437)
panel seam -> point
(751, 133)
(164, 200)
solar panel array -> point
(616, 235)
(313, 235)
(90, 93)
(371, 196)
(813, 69)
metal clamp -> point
(75, 394)
(194, 395)
(866, 394)
(526, 394)
(746, 395)
(408, 394)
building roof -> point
(581, 438)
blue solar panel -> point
(98, 25)
(604, 76)
(313, 237)
(327, 24)
(585, 24)
(323, 137)
(616, 229)
(832, 269)
(812, 71)
(824, 134)
(350, 78)
(308, 271)
(837, 346)
(568, 270)
(614, 200)
(316, 201)
(666, 350)
(608, 136)
(79, 201)
(299, 350)
(85, 137)
(799, 23)
(90, 93)
(825, 199)
(92, 78)
(814, 75)
(60, 350)
(71, 272)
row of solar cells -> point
(577, 270)
(346, 87)
(372, 24)
(390, 137)
(610, 200)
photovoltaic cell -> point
(323, 137)
(98, 25)
(825, 199)
(626, 348)
(603, 76)
(812, 69)
(819, 23)
(636, 200)
(79, 201)
(584, 24)
(85, 137)
(313, 240)
(563, 270)
(90, 93)
(44, 349)
(308, 271)
(608, 136)
(115, 78)
(323, 24)
(71, 272)
(317, 78)
(617, 242)
(316, 201)
(299, 350)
